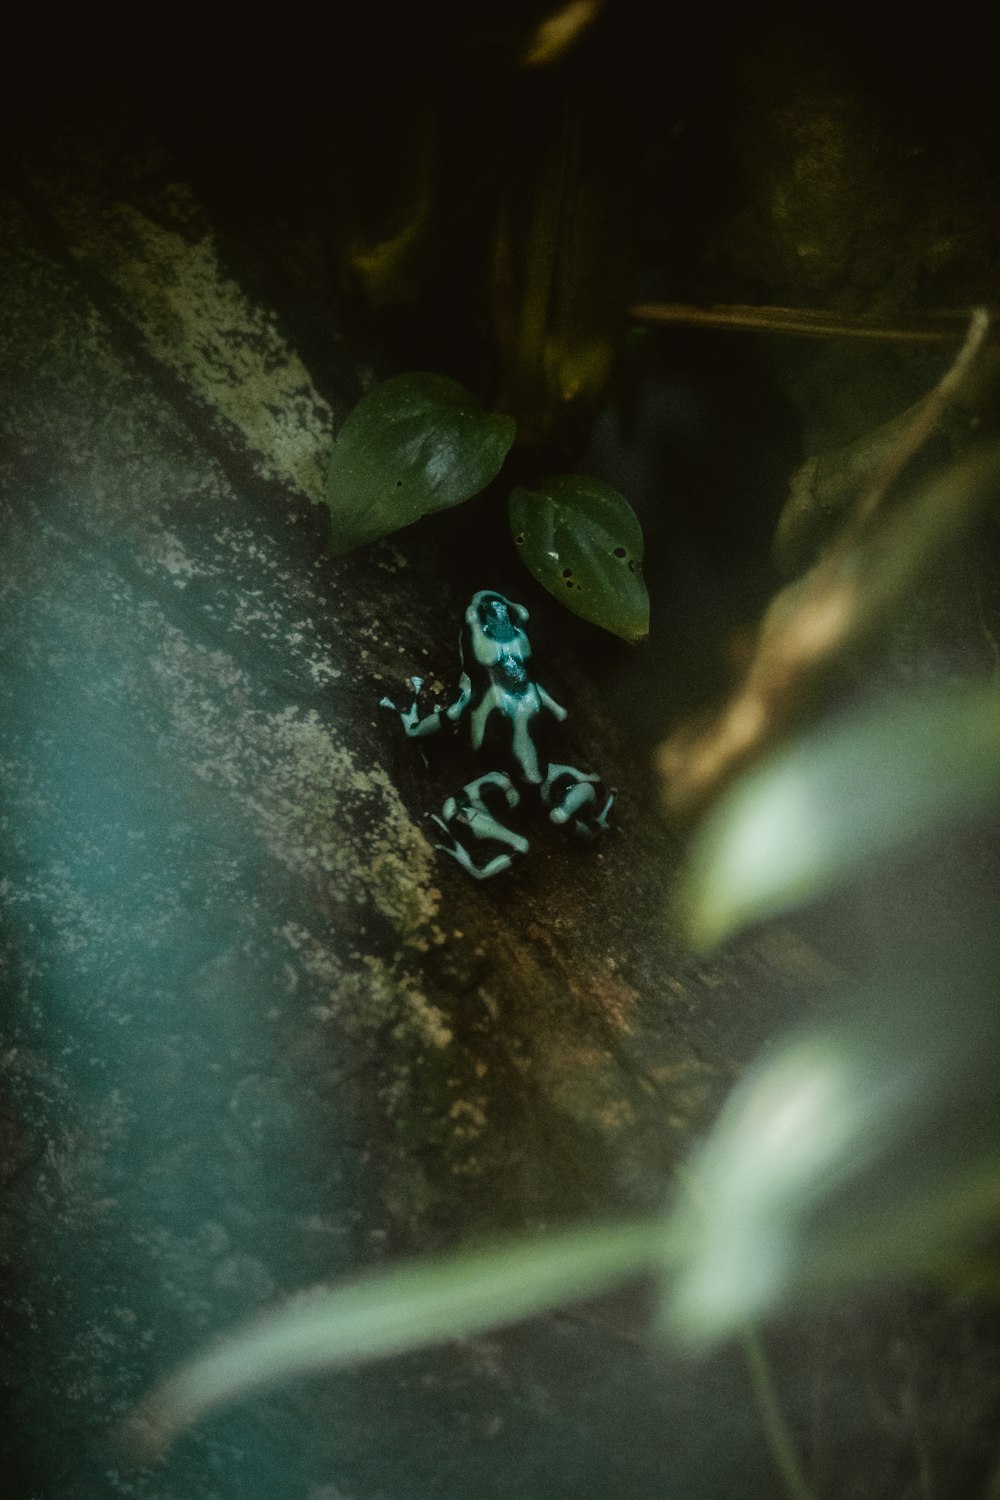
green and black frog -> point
(510, 718)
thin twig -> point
(805, 322)
(926, 416)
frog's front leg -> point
(470, 815)
(416, 727)
(547, 701)
(578, 798)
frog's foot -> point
(414, 726)
(469, 817)
(579, 799)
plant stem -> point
(805, 322)
(776, 1433)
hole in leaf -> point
(567, 572)
(519, 540)
(399, 484)
(620, 552)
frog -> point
(509, 716)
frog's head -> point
(495, 630)
(495, 617)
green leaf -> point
(415, 444)
(583, 542)
(392, 1311)
(818, 813)
(866, 1149)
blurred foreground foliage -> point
(839, 800)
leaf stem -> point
(776, 1432)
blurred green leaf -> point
(392, 1311)
(582, 540)
(864, 1150)
(415, 444)
(819, 812)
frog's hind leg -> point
(469, 816)
(579, 799)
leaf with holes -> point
(582, 540)
(415, 444)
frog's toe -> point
(590, 828)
